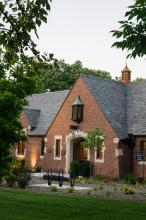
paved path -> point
(63, 187)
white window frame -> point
(100, 160)
(20, 155)
(57, 137)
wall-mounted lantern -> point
(77, 110)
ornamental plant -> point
(94, 141)
(10, 179)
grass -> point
(23, 205)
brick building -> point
(55, 134)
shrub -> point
(53, 189)
(10, 179)
(113, 178)
(128, 190)
(98, 177)
(15, 165)
(70, 189)
(84, 168)
(23, 176)
(74, 168)
(139, 179)
(3, 172)
(130, 179)
(38, 169)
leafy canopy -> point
(19, 20)
(94, 140)
(132, 32)
(62, 76)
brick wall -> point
(138, 166)
(93, 117)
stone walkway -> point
(63, 187)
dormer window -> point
(77, 110)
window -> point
(99, 154)
(21, 148)
(122, 76)
(129, 76)
(57, 148)
(42, 147)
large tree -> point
(132, 32)
(61, 75)
(19, 20)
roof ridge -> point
(137, 82)
(110, 80)
(31, 109)
(43, 93)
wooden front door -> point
(79, 152)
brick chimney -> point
(126, 75)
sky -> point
(80, 30)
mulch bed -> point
(108, 190)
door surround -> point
(69, 146)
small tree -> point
(93, 142)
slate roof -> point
(124, 106)
(136, 108)
(32, 116)
(111, 96)
(42, 109)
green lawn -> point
(20, 205)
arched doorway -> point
(74, 148)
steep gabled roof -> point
(111, 96)
(136, 108)
(42, 109)
(124, 106)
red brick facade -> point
(118, 157)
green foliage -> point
(3, 172)
(10, 177)
(53, 189)
(139, 179)
(94, 140)
(15, 165)
(85, 180)
(24, 205)
(18, 21)
(70, 189)
(23, 176)
(74, 169)
(128, 190)
(60, 75)
(114, 178)
(130, 179)
(98, 177)
(139, 79)
(132, 32)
